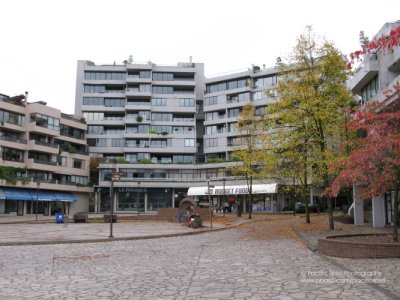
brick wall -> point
(334, 246)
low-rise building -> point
(44, 159)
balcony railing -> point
(41, 143)
(44, 162)
(14, 140)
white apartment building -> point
(378, 72)
(146, 120)
(44, 163)
(223, 102)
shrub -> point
(145, 161)
(215, 160)
(121, 160)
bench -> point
(81, 218)
(107, 218)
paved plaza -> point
(227, 264)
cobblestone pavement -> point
(14, 233)
(214, 265)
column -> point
(378, 211)
(173, 198)
(145, 202)
(358, 206)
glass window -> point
(187, 102)
(163, 90)
(163, 76)
(183, 159)
(162, 129)
(233, 112)
(370, 90)
(90, 88)
(257, 96)
(145, 74)
(93, 101)
(78, 164)
(95, 129)
(211, 100)
(158, 102)
(117, 142)
(111, 102)
(97, 142)
(12, 118)
(211, 142)
(161, 117)
(189, 142)
(12, 154)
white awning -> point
(233, 190)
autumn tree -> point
(304, 122)
(248, 151)
(374, 159)
(374, 163)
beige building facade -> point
(44, 161)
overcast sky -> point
(42, 40)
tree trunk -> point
(251, 196)
(330, 213)
(396, 210)
(306, 197)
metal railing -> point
(14, 140)
(44, 162)
(46, 144)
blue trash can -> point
(59, 218)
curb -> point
(309, 244)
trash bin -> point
(59, 218)
(239, 213)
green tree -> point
(248, 152)
(304, 124)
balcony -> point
(33, 127)
(43, 165)
(51, 184)
(133, 92)
(43, 147)
(364, 73)
(137, 79)
(10, 142)
(14, 127)
(395, 66)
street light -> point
(209, 201)
(37, 196)
(137, 197)
(115, 175)
(224, 196)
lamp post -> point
(37, 196)
(223, 197)
(137, 197)
(209, 201)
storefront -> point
(22, 201)
(231, 197)
(132, 199)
